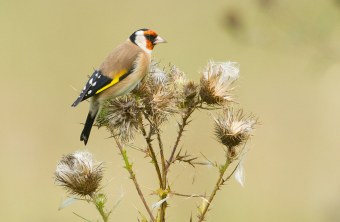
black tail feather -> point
(85, 134)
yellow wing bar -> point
(114, 81)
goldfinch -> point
(120, 73)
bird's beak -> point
(159, 40)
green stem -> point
(128, 167)
(102, 212)
(100, 205)
(161, 176)
(219, 183)
(164, 205)
(161, 150)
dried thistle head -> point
(184, 91)
(160, 105)
(157, 75)
(216, 82)
(177, 76)
(190, 90)
(234, 128)
(121, 116)
(157, 95)
(187, 96)
(79, 173)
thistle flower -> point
(233, 128)
(217, 80)
(79, 173)
(121, 116)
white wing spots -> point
(90, 82)
(84, 88)
(99, 76)
(94, 83)
(89, 92)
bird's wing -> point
(99, 82)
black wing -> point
(95, 83)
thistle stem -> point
(100, 207)
(102, 212)
(164, 205)
(163, 176)
(152, 153)
(128, 167)
(218, 185)
(179, 135)
(160, 143)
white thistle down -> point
(67, 202)
(79, 173)
(228, 71)
(159, 203)
(85, 158)
(158, 76)
(242, 126)
(233, 128)
(239, 174)
(178, 76)
(217, 80)
(239, 125)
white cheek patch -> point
(141, 42)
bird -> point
(119, 74)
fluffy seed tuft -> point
(157, 75)
(234, 128)
(216, 82)
(79, 173)
(120, 116)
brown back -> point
(122, 57)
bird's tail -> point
(85, 134)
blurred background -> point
(290, 76)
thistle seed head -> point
(157, 94)
(79, 173)
(160, 105)
(190, 90)
(216, 82)
(158, 76)
(187, 97)
(234, 128)
(177, 76)
(121, 116)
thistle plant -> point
(81, 176)
(165, 94)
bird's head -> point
(146, 39)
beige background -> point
(290, 76)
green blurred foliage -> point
(289, 56)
